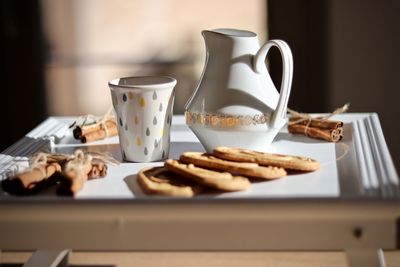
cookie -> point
(267, 159)
(241, 168)
(214, 179)
(160, 181)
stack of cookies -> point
(226, 170)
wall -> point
(93, 41)
(363, 45)
(344, 51)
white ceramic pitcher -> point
(236, 103)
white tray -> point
(350, 203)
(359, 165)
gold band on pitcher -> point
(221, 120)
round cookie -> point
(241, 168)
(213, 179)
(160, 181)
(267, 159)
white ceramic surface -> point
(236, 102)
(144, 112)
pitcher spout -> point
(224, 36)
(230, 32)
(213, 39)
(210, 35)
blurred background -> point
(56, 56)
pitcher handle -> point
(287, 75)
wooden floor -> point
(232, 259)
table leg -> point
(365, 258)
(48, 258)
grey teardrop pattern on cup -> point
(146, 152)
(163, 154)
(120, 122)
(126, 126)
(154, 95)
(123, 155)
(154, 120)
(155, 143)
(160, 108)
(147, 131)
(124, 97)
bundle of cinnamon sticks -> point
(97, 130)
(318, 128)
(70, 172)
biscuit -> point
(241, 168)
(214, 179)
(267, 159)
(160, 181)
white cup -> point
(144, 114)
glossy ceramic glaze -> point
(144, 112)
(235, 102)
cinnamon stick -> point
(74, 179)
(77, 174)
(70, 172)
(331, 135)
(99, 169)
(81, 130)
(317, 122)
(31, 180)
(95, 131)
(101, 133)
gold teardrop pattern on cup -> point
(142, 102)
(138, 141)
